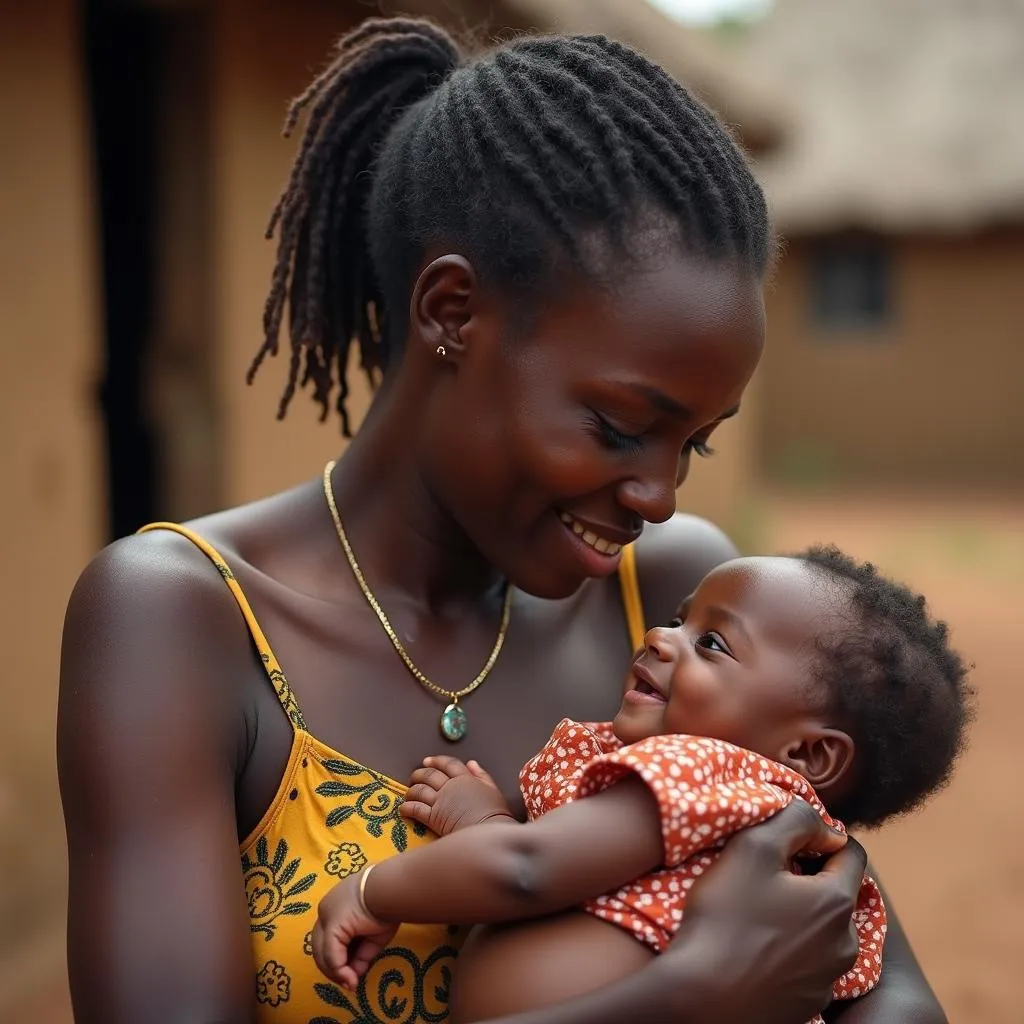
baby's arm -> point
(503, 872)
(510, 870)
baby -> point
(809, 678)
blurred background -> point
(141, 157)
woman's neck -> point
(402, 537)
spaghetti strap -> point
(631, 600)
(270, 662)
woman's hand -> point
(447, 795)
(760, 942)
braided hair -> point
(512, 159)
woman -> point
(557, 255)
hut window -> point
(851, 284)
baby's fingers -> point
(450, 766)
(432, 777)
(348, 978)
(416, 810)
(330, 954)
(477, 772)
(363, 955)
(421, 794)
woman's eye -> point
(616, 439)
(701, 448)
(712, 642)
(676, 623)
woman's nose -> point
(651, 498)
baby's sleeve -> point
(706, 789)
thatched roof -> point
(722, 83)
(742, 102)
(909, 113)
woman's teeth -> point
(606, 547)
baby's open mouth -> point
(647, 693)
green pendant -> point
(453, 723)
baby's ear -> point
(822, 756)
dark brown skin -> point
(735, 665)
(171, 743)
(504, 872)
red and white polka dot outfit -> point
(707, 790)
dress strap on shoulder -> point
(267, 657)
(631, 599)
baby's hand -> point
(346, 937)
(446, 795)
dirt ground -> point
(956, 870)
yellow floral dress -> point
(330, 817)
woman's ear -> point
(442, 302)
(822, 756)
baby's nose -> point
(659, 643)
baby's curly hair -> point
(896, 686)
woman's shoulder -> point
(160, 571)
(169, 567)
(151, 623)
(673, 557)
(153, 597)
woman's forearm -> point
(758, 943)
(903, 995)
(503, 872)
(669, 989)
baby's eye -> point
(712, 642)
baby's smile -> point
(644, 688)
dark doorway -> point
(148, 76)
(121, 48)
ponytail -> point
(513, 159)
(324, 269)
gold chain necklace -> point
(453, 721)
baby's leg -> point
(527, 965)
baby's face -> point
(737, 663)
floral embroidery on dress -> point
(397, 987)
(273, 986)
(369, 796)
(344, 860)
(271, 886)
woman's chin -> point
(540, 578)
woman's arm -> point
(758, 943)
(147, 746)
(902, 995)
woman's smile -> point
(597, 555)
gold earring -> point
(441, 351)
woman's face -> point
(552, 447)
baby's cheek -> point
(679, 719)
(694, 708)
